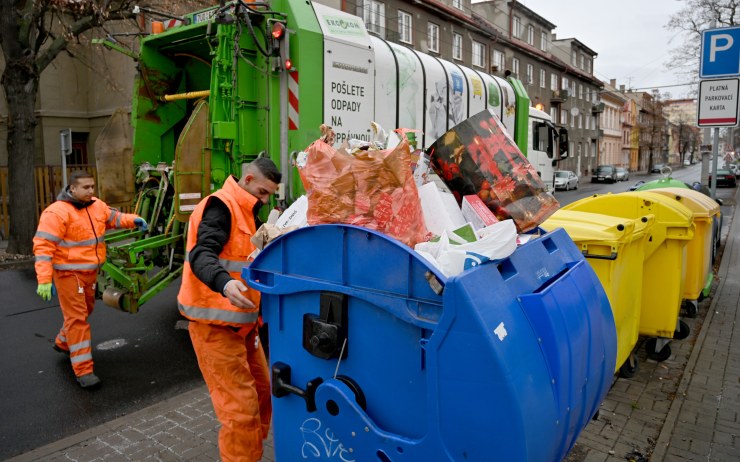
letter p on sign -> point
(720, 53)
(715, 46)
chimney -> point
(621, 88)
(613, 83)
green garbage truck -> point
(243, 80)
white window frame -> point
(554, 115)
(530, 74)
(457, 46)
(564, 117)
(530, 34)
(457, 4)
(478, 54)
(573, 89)
(580, 91)
(588, 65)
(433, 37)
(574, 58)
(554, 82)
(515, 66)
(517, 27)
(564, 83)
(374, 17)
(583, 61)
(497, 59)
(543, 78)
(405, 27)
(544, 41)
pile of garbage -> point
(469, 198)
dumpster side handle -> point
(281, 386)
(613, 256)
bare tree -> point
(689, 22)
(32, 34)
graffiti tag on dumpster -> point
(322, 444)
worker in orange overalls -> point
(224, 312)
(69, 250)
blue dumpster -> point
(376, 356)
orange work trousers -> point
(236, 373)
(76, 292)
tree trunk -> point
(20, 83)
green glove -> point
(44, 291)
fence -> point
(48, 183)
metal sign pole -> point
(715, 154)
(65, 141)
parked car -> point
(605, 174)
(623, 174)
(724, 178)
(734, 168)
(565, 179)
(657, 168)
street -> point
(140, 358)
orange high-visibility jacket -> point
(70, 235)
(196, 301)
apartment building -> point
(611, 143)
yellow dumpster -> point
(664, 264)
(700, 249)
(615, 249)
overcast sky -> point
(628, 35)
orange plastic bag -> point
(370, 188)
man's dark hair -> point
(78, 175)
(268, 169)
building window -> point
(530, 74)
(574, 58)
(564, 118)
(554, 82)
(543, 78)
(517, 27)
(573, 89)
(565, 83)
(544, 41)
(588, 65)
(580, 91)
(530, 35)
(479, 54)
(456, 46)
(375, 16)
(588, 94)
(457, 4)
(404, 27)
(497, 60)
(433, 37)
(554, 115)
(580, 121)
(583, 61)
(580, 149)
(515, 67)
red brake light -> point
(278, 30)
(288, 64)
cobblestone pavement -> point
(686, 408)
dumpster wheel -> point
(691, 307)
(659, 356)
(359, 395)
(683, 331)
(630, 367)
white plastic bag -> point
(494, 242)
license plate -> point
(599, 177)
(203, 16)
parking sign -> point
(720, 53)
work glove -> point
(141, 224)
(44, 291)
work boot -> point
(60, 349)
(88, 380)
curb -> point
(663, 441)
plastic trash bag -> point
(478, 156)
(370, 187)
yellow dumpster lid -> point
(700, 204)
(587, 226)
(636, 204)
